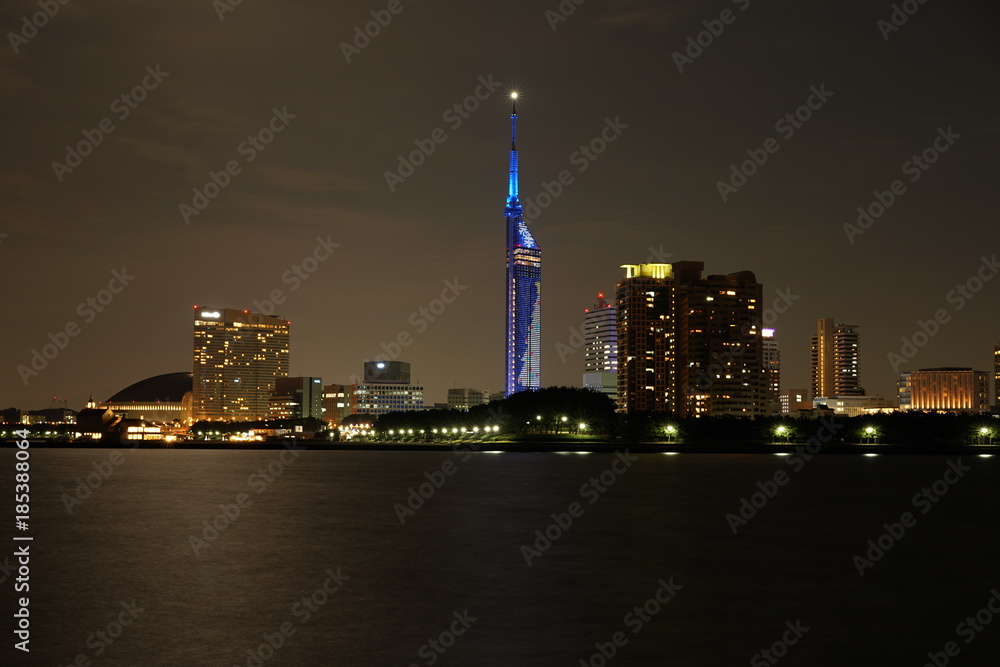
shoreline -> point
(550, 447)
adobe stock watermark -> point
(425, 490)
(249, 149)
(86, 487)
(454, 116)
(257, 482)
(968, 629)
(958, 296)
(297, 274)
(786, 126)
(900, 14)
(88, 310)
(103, 638)
(635, 619)
(924, 500)
(590, 490)
(432, 651)
(364, 34)
(122, 107)
(696, 44)
(563, 11)
(223, 7)
(915, 167)
(420, 320)
(31, 25)
(768, 489)
(779, 648)
(302, 610)
(581, 158)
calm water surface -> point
(397, 586)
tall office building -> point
(523, 356)
(690, 344)
(949, 389)
(600, 351)
(238, 357)
(836, 360)
(772, 369)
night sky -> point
(651, 195)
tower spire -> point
(512, 187)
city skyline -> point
(309, 200)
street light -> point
(671, 432)
(985, 434)
(782, 431)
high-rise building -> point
(772, 369)
(297, 398)
(238, 357)
(689, 344)
(600, 337)
(720, 365)
(646, 344)
(836, 360)
(387, 388)
(996, 377)
(949, 389)
(600, 351)
(523, 352)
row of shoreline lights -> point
(444, 431)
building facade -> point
(772, 369)
(238, 357)
(835, 363)
(996, 378)
(690, 344)
(387, 389)
(853, 406)
(794, 400)
(339, 401)
(720, 358)
(523, 351)
(646, 343)
(600, 348)
(949, 389)
(463, 398)
(297, 398)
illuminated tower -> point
(524, 282)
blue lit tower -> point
(524, 283)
